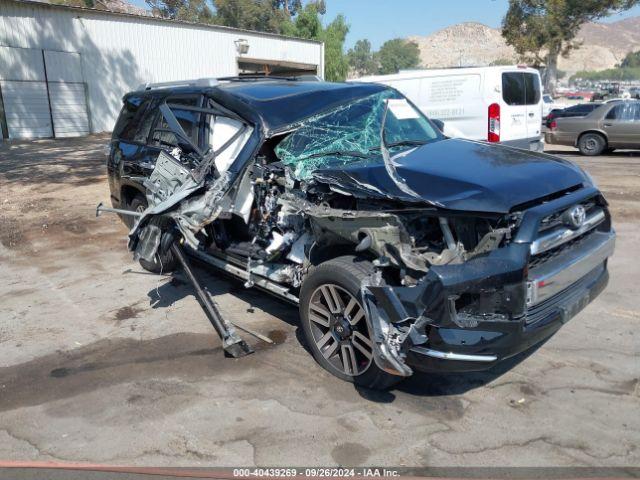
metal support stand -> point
(232, 344)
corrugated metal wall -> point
(118, 53)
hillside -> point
(603, 46)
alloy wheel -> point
(340, 330)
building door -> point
(67, 94)
(43, 94)
(24, 94)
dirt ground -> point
(101, 362)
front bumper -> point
(482, 347)
(470, 316)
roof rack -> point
(199, 82)
(212, 82)
(254, 77)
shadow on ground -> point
(420, 384)
(73, 162)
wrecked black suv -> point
(404, 249)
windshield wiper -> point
(338, 154)
(403, 143)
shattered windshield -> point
(350, 134)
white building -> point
(64, 70)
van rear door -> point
(521, 115)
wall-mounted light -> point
(242, 46)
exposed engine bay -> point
(291, 225)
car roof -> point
(275, 104)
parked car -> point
(494, 104)
(579, 110)
(404, 250)
(612, 125)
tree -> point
(542, 30)
(361, 58)
(631, 60)
(289, 7)
(611, 74)
(308, 24)
(501, 62)
(336, 66)
(189, 10)
(398, 54)
(261, 15)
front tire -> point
(592, 144)
(334, 324)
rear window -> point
(520, 88)
(130, 119)
(583, 108)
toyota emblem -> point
(575, 216)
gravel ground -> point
(101, 362)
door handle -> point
(608, 125)
(531, 114)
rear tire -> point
(163, 262)
(334, 325)
(592, 144)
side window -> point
(582, 108)
(129, 122)
(626, 112)
(188, 120)
(613, 114)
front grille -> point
(550, 255)
(555, 219)
(553, 222)
(552, 305)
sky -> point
(381, 20)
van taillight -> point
(493, 134)
(553, 125)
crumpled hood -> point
(462, 175)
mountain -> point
(603, 46)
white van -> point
(495, 104)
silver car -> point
(610, 126)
